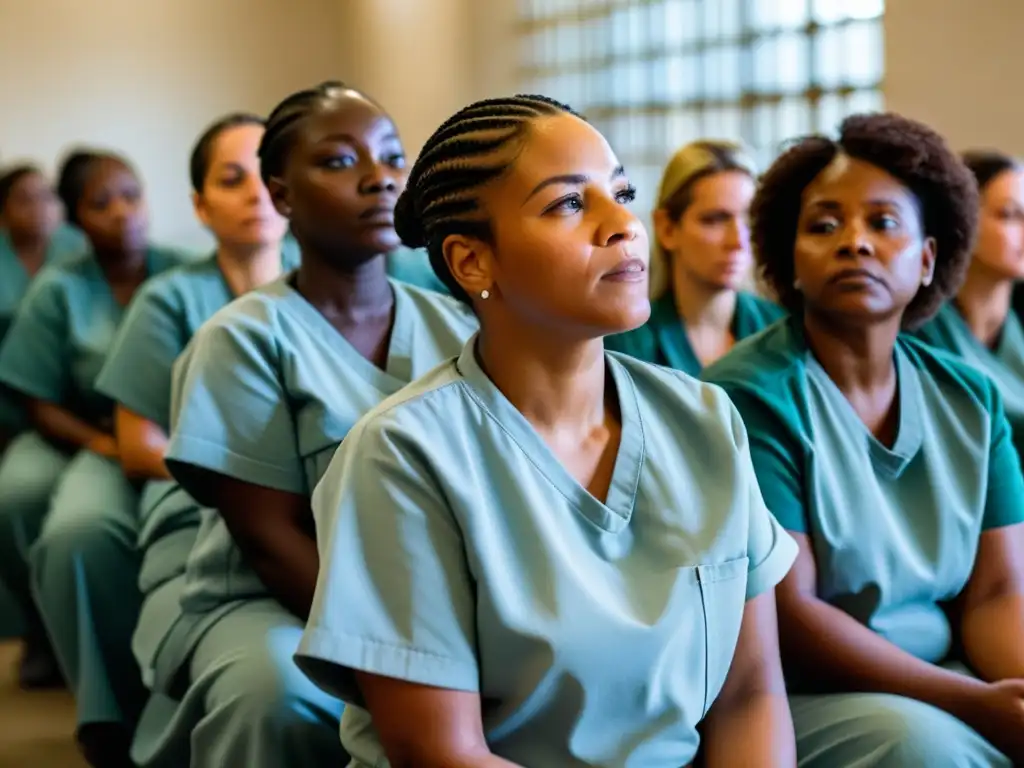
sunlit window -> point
(654, 74)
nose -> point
(738, 238)
(854, 241)
(619, 225)
(123, 208)
(381, 178)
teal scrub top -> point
(161, 320)
(66, 244)
(456, 551)
(266, 391)
(894, 530)
(14, 280)
(62, 332)
(1004, 364)
(662, 340)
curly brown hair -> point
(908, 150)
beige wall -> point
(956, 64)
(145, 76)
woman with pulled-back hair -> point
(262, 396)
(543, 554)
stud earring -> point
(926, 281)
(797, 285)
(485, 294)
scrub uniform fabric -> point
(1004, 364)
(457, 552)
(137, 375)
(662, 340)
(53, 352)
(264, 394)
(895, 530)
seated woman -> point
(51, 356)
(262, 396)
(979, 324)
(541, 554)
(889, 463)
(700, 259)
(30, 238)
(232, 202)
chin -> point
(382, 242)
(628, 318)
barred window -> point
(655, 74)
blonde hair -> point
(687, 166)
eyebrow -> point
(833, 205)
(350, 139)
(571, 178)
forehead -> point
(239, 141)
(724, 188)
(849, 180)
(30, 180)
(107, 170)
(563, 144)
(348, 116)
(1008, 185)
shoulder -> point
(436, 306)
(766, 310)
(162, 258)
(768, 361)
(250, 321)
(410, 417)
(948, 370)
(659, 383)
(174, 286)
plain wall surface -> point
(145, 77)
(954, 64)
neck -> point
(551, 381)
(247, 268)
(349, 294)
(121, 265)
(703, 305)
(857, 359)
(984, 302)
(28, 242)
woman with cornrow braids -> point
(262, 396)
(544, 554)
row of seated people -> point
(528, 550)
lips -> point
(627, 270)
(379, 213)
(855, 276)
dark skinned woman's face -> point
(568, 253)
(31, 208)
(112, 211)
(860, 253)
(343, 176)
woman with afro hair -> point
(891, 464)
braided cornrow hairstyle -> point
(469, 150)
(279, 137)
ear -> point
(928, 254)
(471, 263)
(664, 229)
(279, 195)
(200, 208)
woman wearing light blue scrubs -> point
(891, 463)
(52, 355)
(232, 202)
(543, 554)
(699, 262)
(262, 396)
(979, 324)
(30, 238)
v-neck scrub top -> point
(456, 551)
(894, 529)
(662, 340)
(265, 392)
